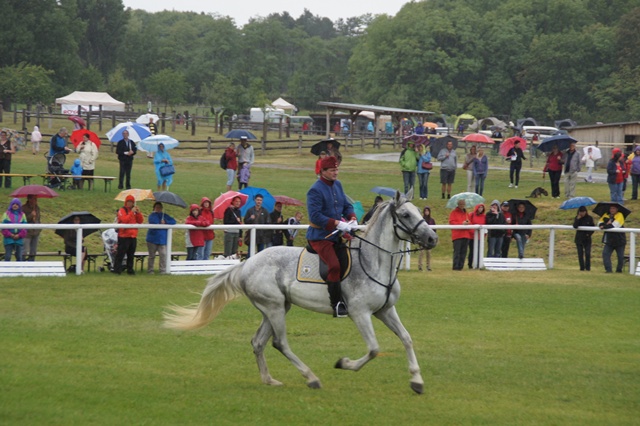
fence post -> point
(209, 145)
(100, 117)
(169, 250)
(263, 144)
(299, 144)
(193, 125)
(552, 241)
(24, 120)
(632, 253)
(79, 235)
(252, 242)
(15, 116)
(173, 122)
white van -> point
(543, 132)
(256, 115)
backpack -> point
(223, 161)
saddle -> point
(312, 269)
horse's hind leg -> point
(391, 319)
(259, 342)
(363, 322)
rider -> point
(327, 205)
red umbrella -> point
(78, 120)
(77, 135)
(39, 191)
(478, 138)
(288, 201)
(509, 143)
(221, 203)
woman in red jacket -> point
(460, 237)
(197, 236)
(554, 168)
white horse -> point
(268, 279)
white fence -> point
(479, 243)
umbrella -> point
(441, 143)
(430, 125)
(77, 137)
(137, 132)
(575, 202)
(563, 142)
(384, 190)
(85, 218)
(169, 197)
(144, 118)
(238, 133)
(478, 138)
(221, 203)
(151, 143)
(603, 207)
(288, 201)
(17, 137)
(79, 121)
(529, 208)
(510, 143)
(417, 140)
(322, 146)
(596, 154)
(40, 191)
(471, 199)
(251, 191)
(138, 194)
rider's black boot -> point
(335, 297)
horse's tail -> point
(220, 290)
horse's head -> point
(409, 224)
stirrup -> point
(340, 310)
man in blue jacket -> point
(157, 238)
(328, 205)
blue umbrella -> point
(563, 142)
(268, 202)
(151, 143)
(384, 190)
(137, 132)
(238, 133)
(574, 203)
(357, 208)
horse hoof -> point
(315, 384)
(273, 382)
(339, 363)
(417, 388)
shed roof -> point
(374, 108)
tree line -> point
(548, 59)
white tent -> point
(282, 104)
(69, 104)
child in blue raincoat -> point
(76, 171)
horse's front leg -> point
(363, 322)
(391, 319)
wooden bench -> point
(637, 273)
(201, 267)
(26, 177)
(32, 269)
(63, 178)
(141, 256)
(513, 264)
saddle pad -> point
(311, 268)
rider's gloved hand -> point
(344, 227)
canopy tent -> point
(282, 104)
(567, 122)
(526, 122)
(69, 104)
(487, 123)
(466, 119)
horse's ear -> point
(409, 195)
(396, 199)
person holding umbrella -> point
(14, 238)
(613, 241)
(157, 238)
(571, 162)
(583, 238)
(554, 167)
(88, 151)
(70, 242)
(232, 237)
(162, 158)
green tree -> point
(120, 87)
(168, 87)
(26, 83)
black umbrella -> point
(529, 209)
(322, 146)
(603, 207)
(168, 197)
(85, 218)
(562, 141)
(441, 143)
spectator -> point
(196, 236)
(257, 215)
(583, 238)
(508, 235)
(244, 176)
(71, 244)
(516, 156)
(419, 129)
(613, 241)
(14, 238)
(31, 209)
(469, 160)
(129, 214)
(448, 166)
(571, 162)
(423, 173)
(477, 217)
(319, 161)
(206, 213)
(245, 155)
(232, 164)
(373, 209)
(589, 163)
(426, 215)
(554, 167)
(409, 165)
(7, 149)
(157, 238)
(460, 237)
(495, 236)
(76, 172)
(276, 217)
(480, 169)
(88, 155)
(58, 143)
(615, 177)
(522, 236)
(36, 138)
(160, 159)
(232, 236)
(126, 150)
(635, 172)
(292, 233)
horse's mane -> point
(378, 213)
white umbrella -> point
(151, 143)
(137, 132)
(595, 152)
(144, 118)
